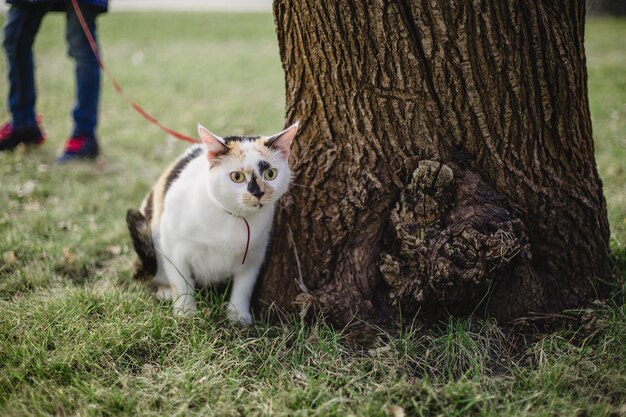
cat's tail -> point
(141, 233)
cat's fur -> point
(190, 230)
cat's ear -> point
(215, 145)
(282, 141)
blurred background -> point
(606, 7)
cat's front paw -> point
(184, 309)
(163, 292)
(238, 316)
(184, 306)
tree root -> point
(452, 240)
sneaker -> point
(79, 147)
(10, 137)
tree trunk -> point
(445, 161)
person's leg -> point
(85, 112)
(21, 27)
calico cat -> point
(208, 218)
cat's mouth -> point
(254, 205)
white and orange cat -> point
(192, 227)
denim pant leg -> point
(85, 112)
(20, 29)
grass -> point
(78, 336)
(607, 98)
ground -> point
(78, 336)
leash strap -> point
(118, 88)
(137, 107)
(247, 241)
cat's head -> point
(247, 173)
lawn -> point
(79, 337)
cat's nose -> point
(254, 189)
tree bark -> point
(445, 161)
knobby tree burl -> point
(445, 161)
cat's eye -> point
(237, 176)
(270, 174)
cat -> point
(208, 218)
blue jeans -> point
(20, 29)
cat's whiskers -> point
(288, 194)
(300, 185)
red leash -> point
(137, 107)
(247, 241)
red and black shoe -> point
(79, 147)
(10, 137)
